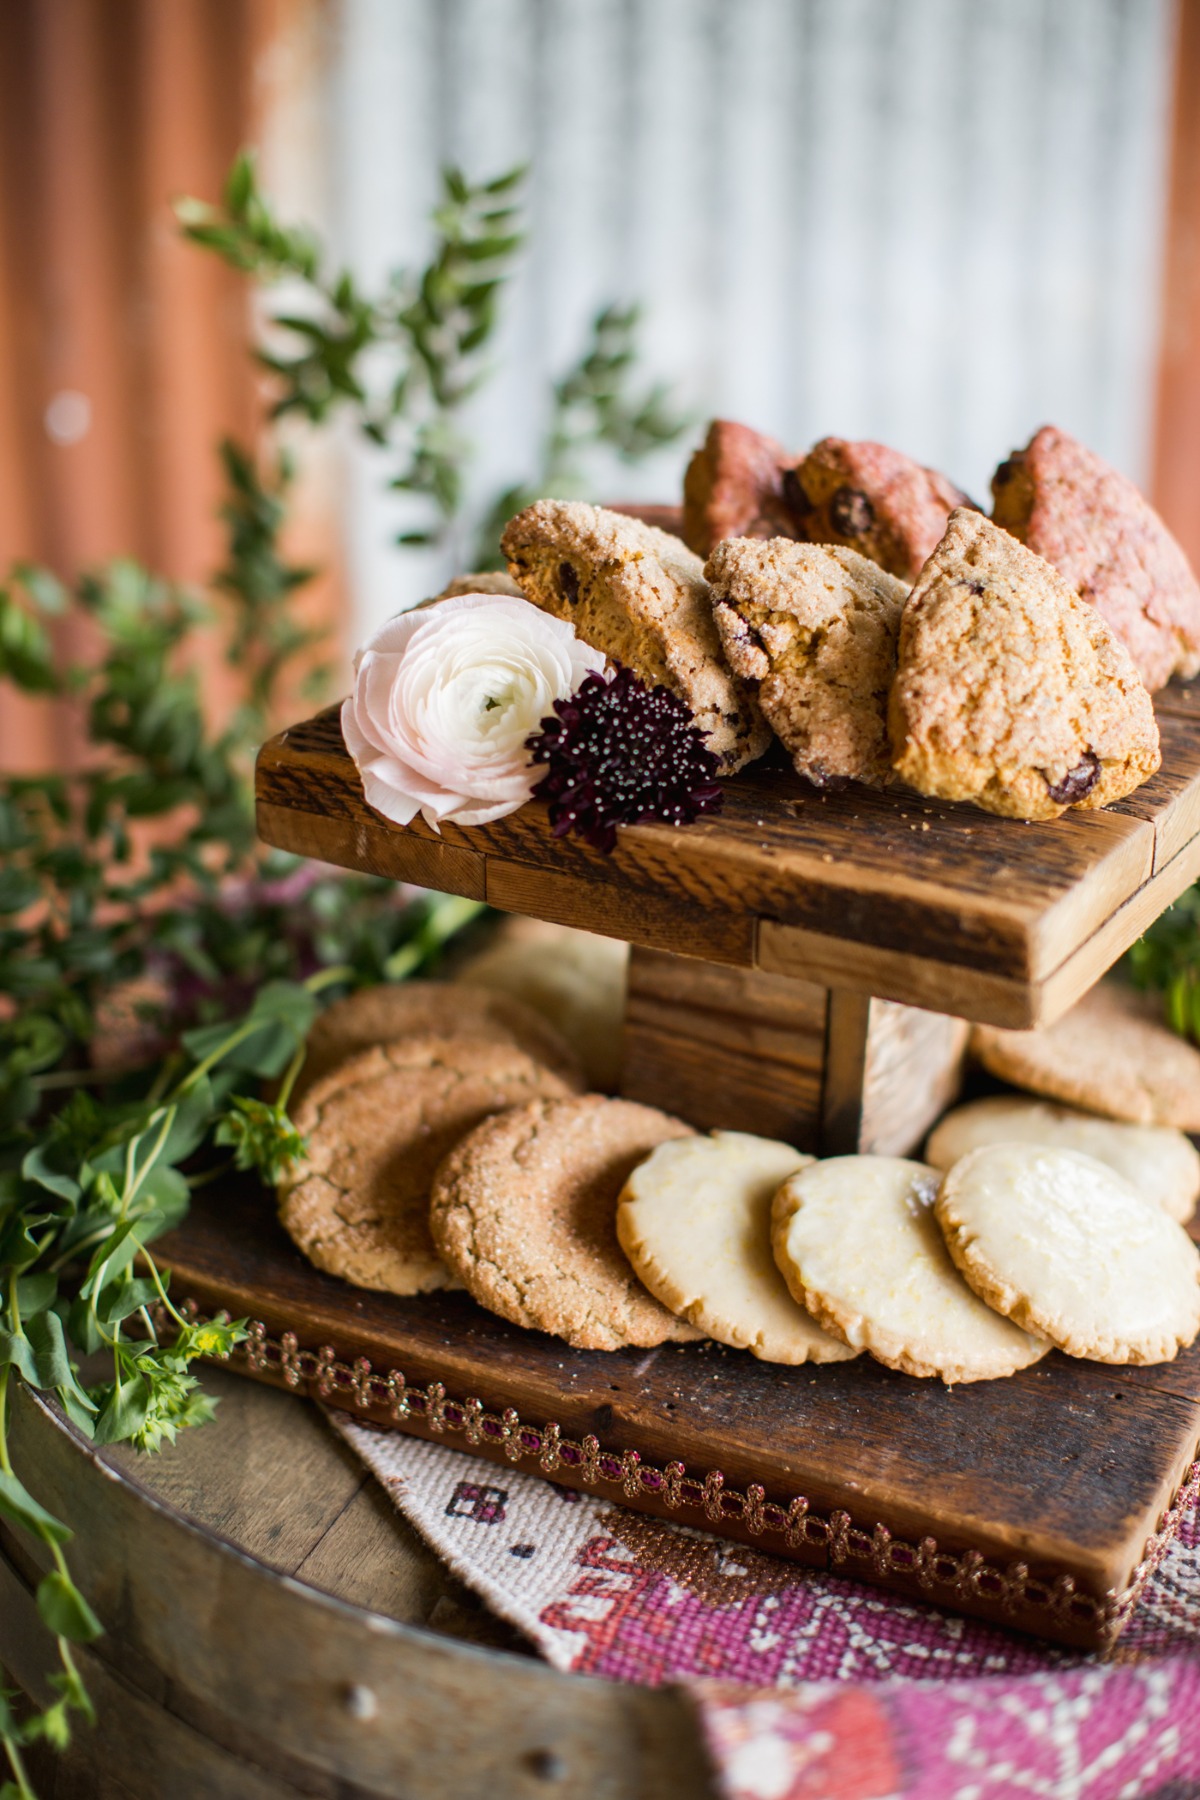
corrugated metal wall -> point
(935, 222)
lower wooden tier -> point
(1041, 1501)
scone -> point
(639, 595)
(1010, 690)
(1111, 1054)
(858, 1245)
(1160, 1163)
(815, 627)
(1065, 1247)
(524, 1213)
(737, 485)
(873, 500)
(483, 581)
(695, 1221)
(1107, 543)
(377, 1127)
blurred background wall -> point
(937, 222)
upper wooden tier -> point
(942, 906)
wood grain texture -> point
(1066, 1467)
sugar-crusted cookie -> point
(483, 581)
(377, 1127)
(1107, 543)
(695, 1221)
(815, 627)
(873, 500)
(575, 979)
(639, 595)
(1160, 1163)
(524, 1212)
(1067, 1248)
(378, 1015)
(1011, 691)
(858, 1245)
(1110, 1054)
(734, 486)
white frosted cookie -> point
(1161, 1164)
(858, 1245)
(1066, 1247)
(694, 1219)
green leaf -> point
(18, 1505)
(18, 890)
(124, 1412)
(36, 1292)
(15, 1348)
(53, 1366)
(48, 1166)
(64, 1610)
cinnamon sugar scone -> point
(524, 1212)
(1010, 690)
(1108, 543)
(639, 595)
(357, 1204)
(815, 626)
(871, 499)
(1111, 1054)
(737, 485)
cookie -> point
(1110, 1054)
(639, 595)
(695, 1221)
(524, 1213)
(575, 979)
(873, 500)
(1160, 1163)
(1010, 690)
(1107, 543)
(858, 1245)
(816, 628)
(377, 1015)
(377, 1128)
(736, 485)
(1065, 1247)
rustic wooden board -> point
(934, 905)
(1030, 1501)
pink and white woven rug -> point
(808, 1686)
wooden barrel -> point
(275, 1629)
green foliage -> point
(1167, 961)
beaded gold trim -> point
(854, 1549)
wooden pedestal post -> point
(822, 1068)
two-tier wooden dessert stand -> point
(803, 965)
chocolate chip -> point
(794, 496)
(974, 587)
(851, 513)
(1004, 473)
(568, 581)
(1077, 783)
(825, 779)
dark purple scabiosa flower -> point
(619, 753)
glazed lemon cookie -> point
(1064, 1246)
(1010, 690)
(379, 1015)
(695, 1222)
(1160, 1163)
(815, 628)
(524, 1213)
(377, 1127)
(857, 1243)
(639, 595)
(1110, 1054)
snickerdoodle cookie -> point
(1065, 1247)
(1010, 690)
(1107, 543)
(695, 1222)
(858, 1245)
(815, 627)
(1160, 1163)
(377, 1127)
(524, 1213)
(639, 595)
(871, 499)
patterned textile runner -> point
(810, 1686)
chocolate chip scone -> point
(815, 626)
(1010, 690)
(639, 595)
(873, 500)
(737, 485)
(1109, 544)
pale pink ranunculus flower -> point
(444, 699)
